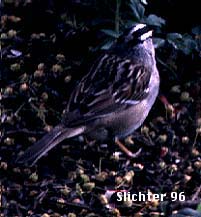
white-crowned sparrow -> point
(113, 99)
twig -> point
(196, 195)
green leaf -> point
(110, 32)
(174, 36)
(196, 30)
(199, 207)
(154, 20)
(184, 43)
(107, 44)
(158, 42)
(137, 9)
(189, 44)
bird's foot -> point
(126, 150)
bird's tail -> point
(49, 141)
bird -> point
(112, 100)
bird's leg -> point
(126, 150)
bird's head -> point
(137, 34)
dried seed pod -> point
(48, 128)
(55, 215)
(162, 164)
(103, 199)
(44, 96)
(129, 140)
(198, 130)
(33, 193)
(112, 173)
(16, 170)
(60, 202)
(27, 171)
(76, 200)
(197, 164)
(41, 66)
(79, 190)
(138, 214)
(170, 111)
(79, 171)
(115, 212)
(162, 138)
(8, 91)
(4, 36)
(67, 78)
(32, 139)
(175, 89)
(3, 165)
(42, 35)
(45, 215)
(129, 176)
(198, 122)
(195, 152)
(173, 168)
(9, 120)
(152, 134)
(71, 214)
(85, 178)
(15, 67)
(102, 176)
(145, 130)
(160, 120)
(185, 97)
(60, 57)
(35, 36)
(9, 141)
(24, 87)
(12, 33)
(24, 77)
(118, 180)
(164, 151)
(154, 203)
(65, 191)
(115, 156)
(39, 74)
(34, 177)
(187, 178)
(138, 166)
(128, 203)
(57, 68)
(185, 139)
(72, 175)
(14, 19)
(89, 186)
(189, 169)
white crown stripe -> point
(137, 27)
(146, 35)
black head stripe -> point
(138, 34)
(134, 35)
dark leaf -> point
(196, 30)
(110, 32)
(158, 42)
(154, 20)
(137, 9)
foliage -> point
(44, 45)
